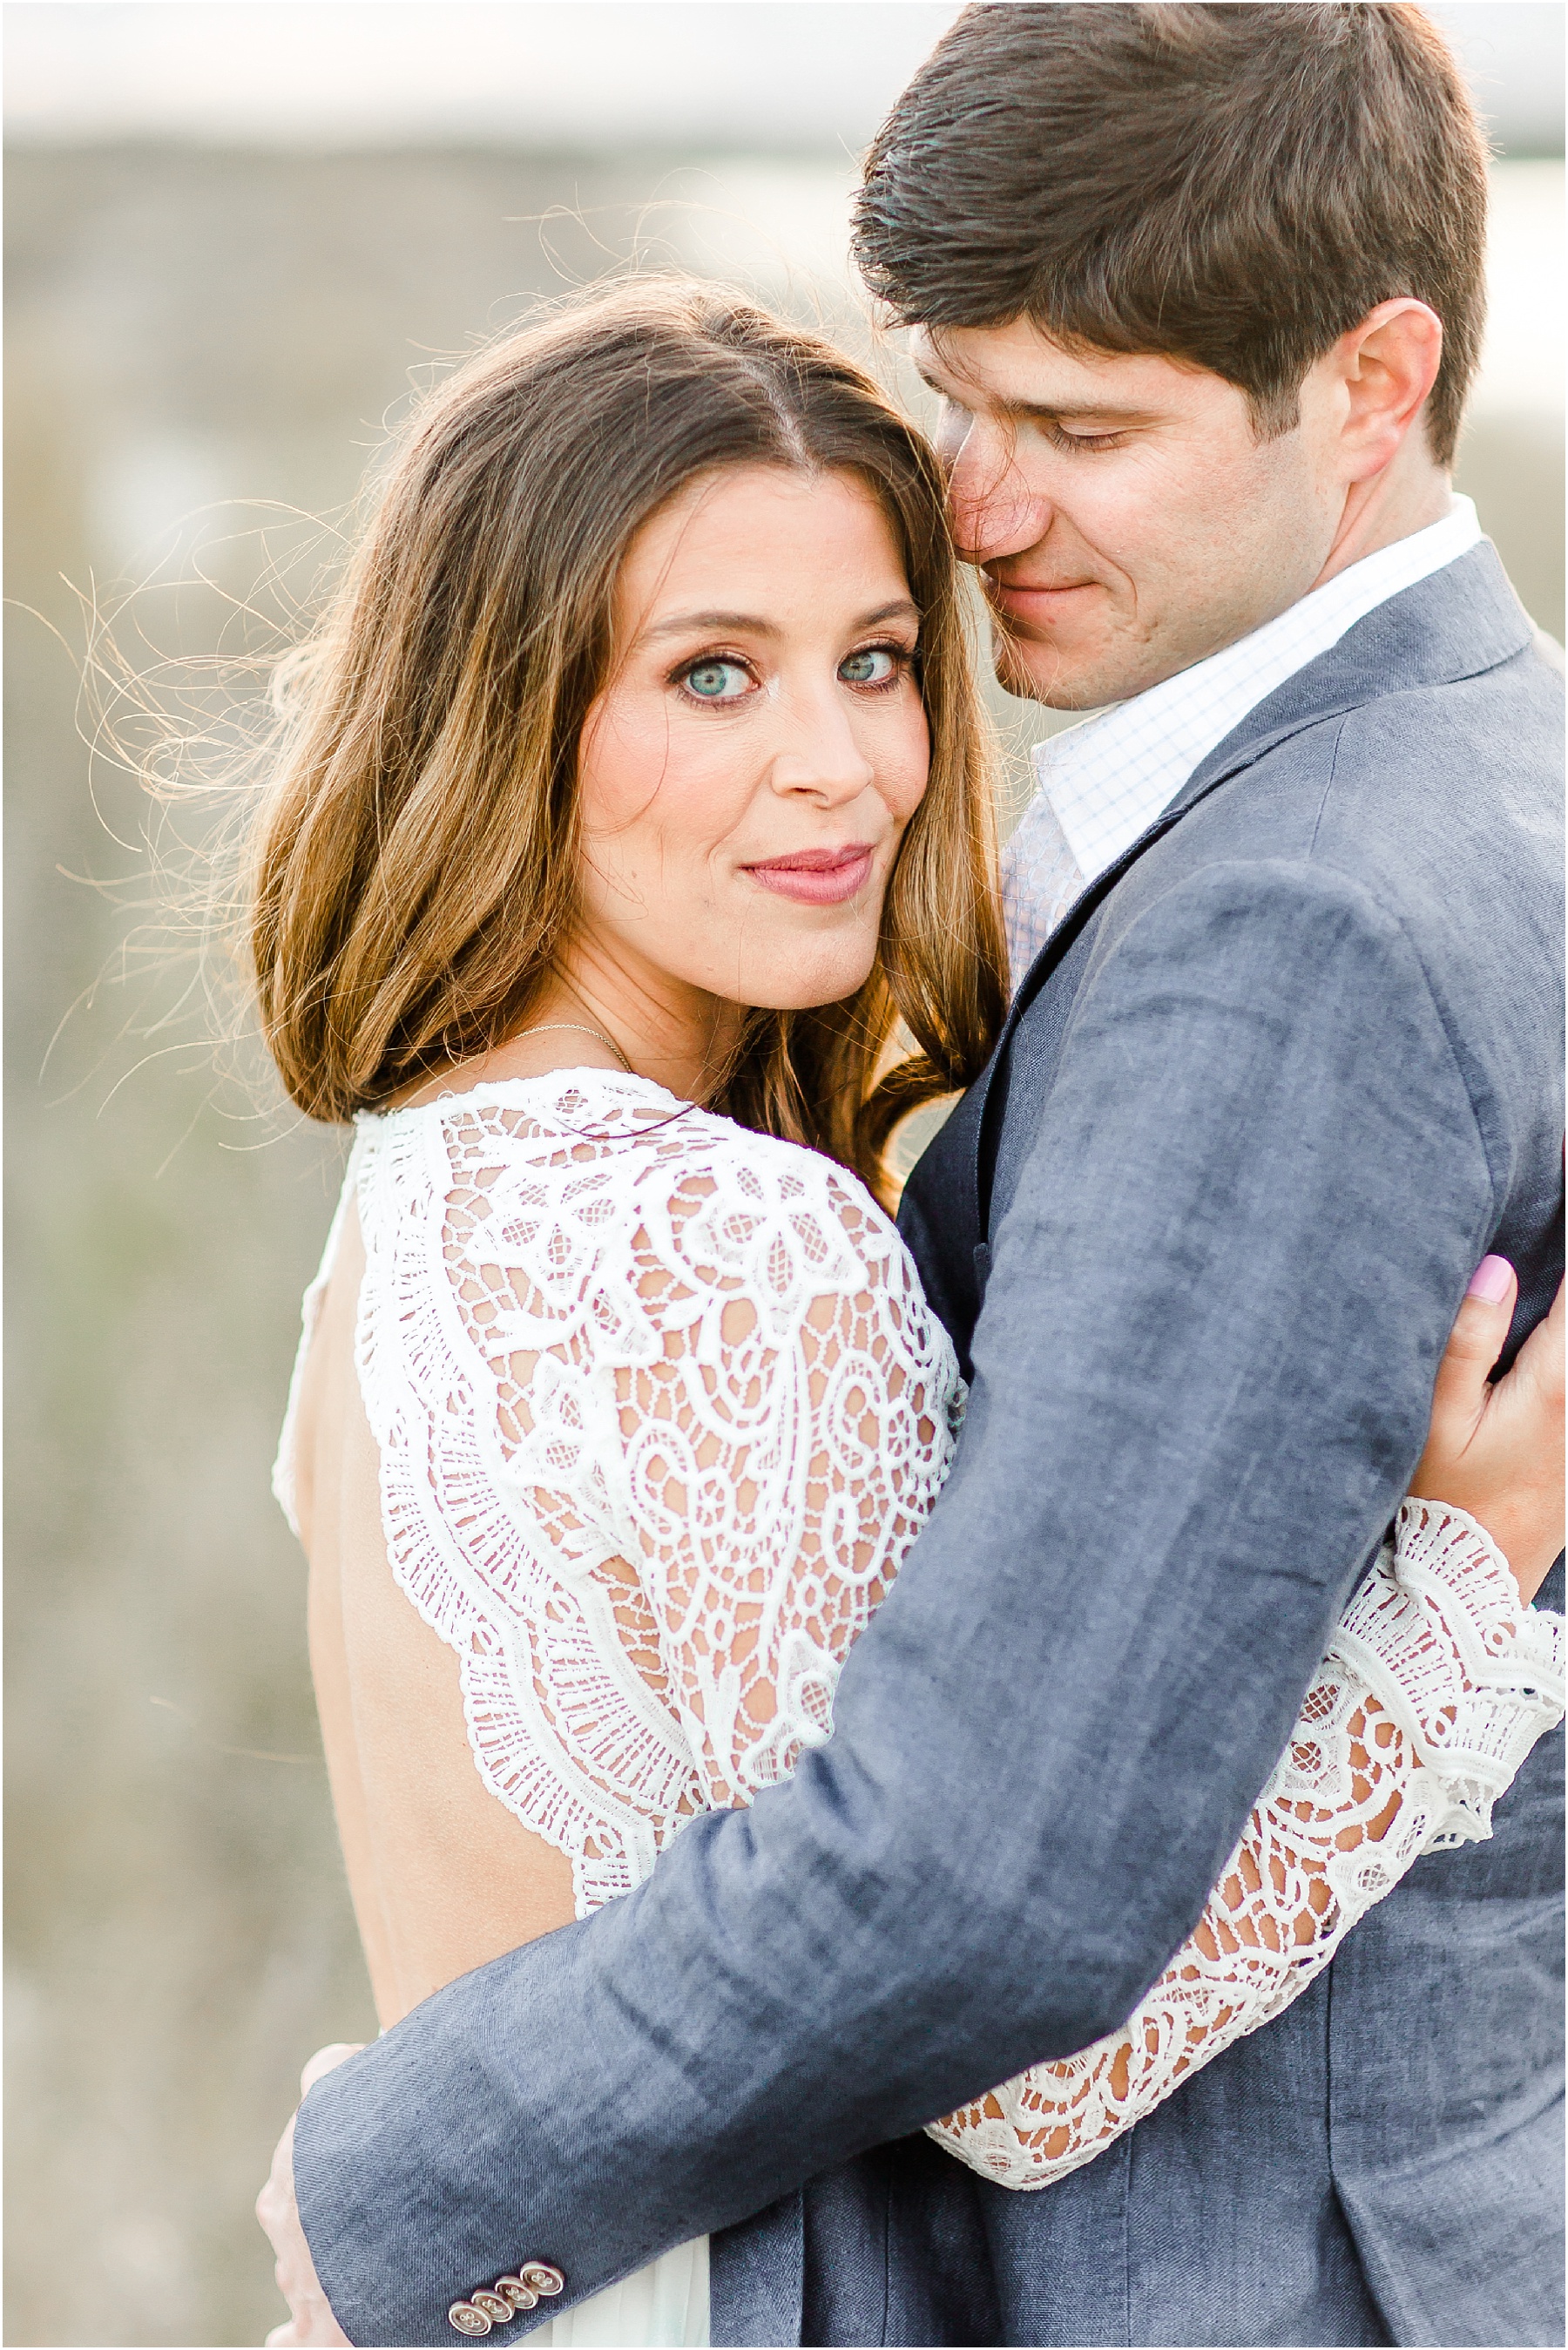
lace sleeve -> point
(1435, 1688)
(659, 1408)
(781, 1449)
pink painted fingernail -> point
(1491, 1280)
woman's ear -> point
(1386, 367)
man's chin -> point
(1058, 676)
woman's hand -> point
(1496, 1451)
(310, 2320)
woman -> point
(635, 793)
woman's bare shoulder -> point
(567, 1173)
(589, 1225)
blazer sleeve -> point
(1437, 1684)
(1220, 1289)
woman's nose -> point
(823, 759)
(992, 510)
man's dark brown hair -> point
(1233, 185)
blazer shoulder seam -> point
(1354, 887)
(1391, 914)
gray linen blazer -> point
(1200, 1233)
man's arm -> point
(1219, 1292)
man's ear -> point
(1385, 367)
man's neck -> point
(1409, 495)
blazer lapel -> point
(1458, 622)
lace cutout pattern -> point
(660, 1408)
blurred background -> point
(237, 236)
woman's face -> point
(746, 775)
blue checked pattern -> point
(1103, 781)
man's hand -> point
(311, 2322)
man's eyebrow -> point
(1113, 412)
(688, 624)
(1050, 411)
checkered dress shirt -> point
(1104, 781)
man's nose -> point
(993, 511)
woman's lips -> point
(816, 877)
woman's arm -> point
(1437, 1685)
(784, 1445)
(776, 1504)
(764, 1510)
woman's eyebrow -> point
(685, 624)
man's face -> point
(1126, 516)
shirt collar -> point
(1108, 779)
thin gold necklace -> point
(579, 1028)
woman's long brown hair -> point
(415, 857)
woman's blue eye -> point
(875, 666)
(717, 680)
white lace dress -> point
(660, 1408)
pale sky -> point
(603, 73)
(732, 80)
(600, 73)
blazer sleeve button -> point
(494, 2306)
(520, 2295)
(464, 2316)
(543, 2277)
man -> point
(1200, 290)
